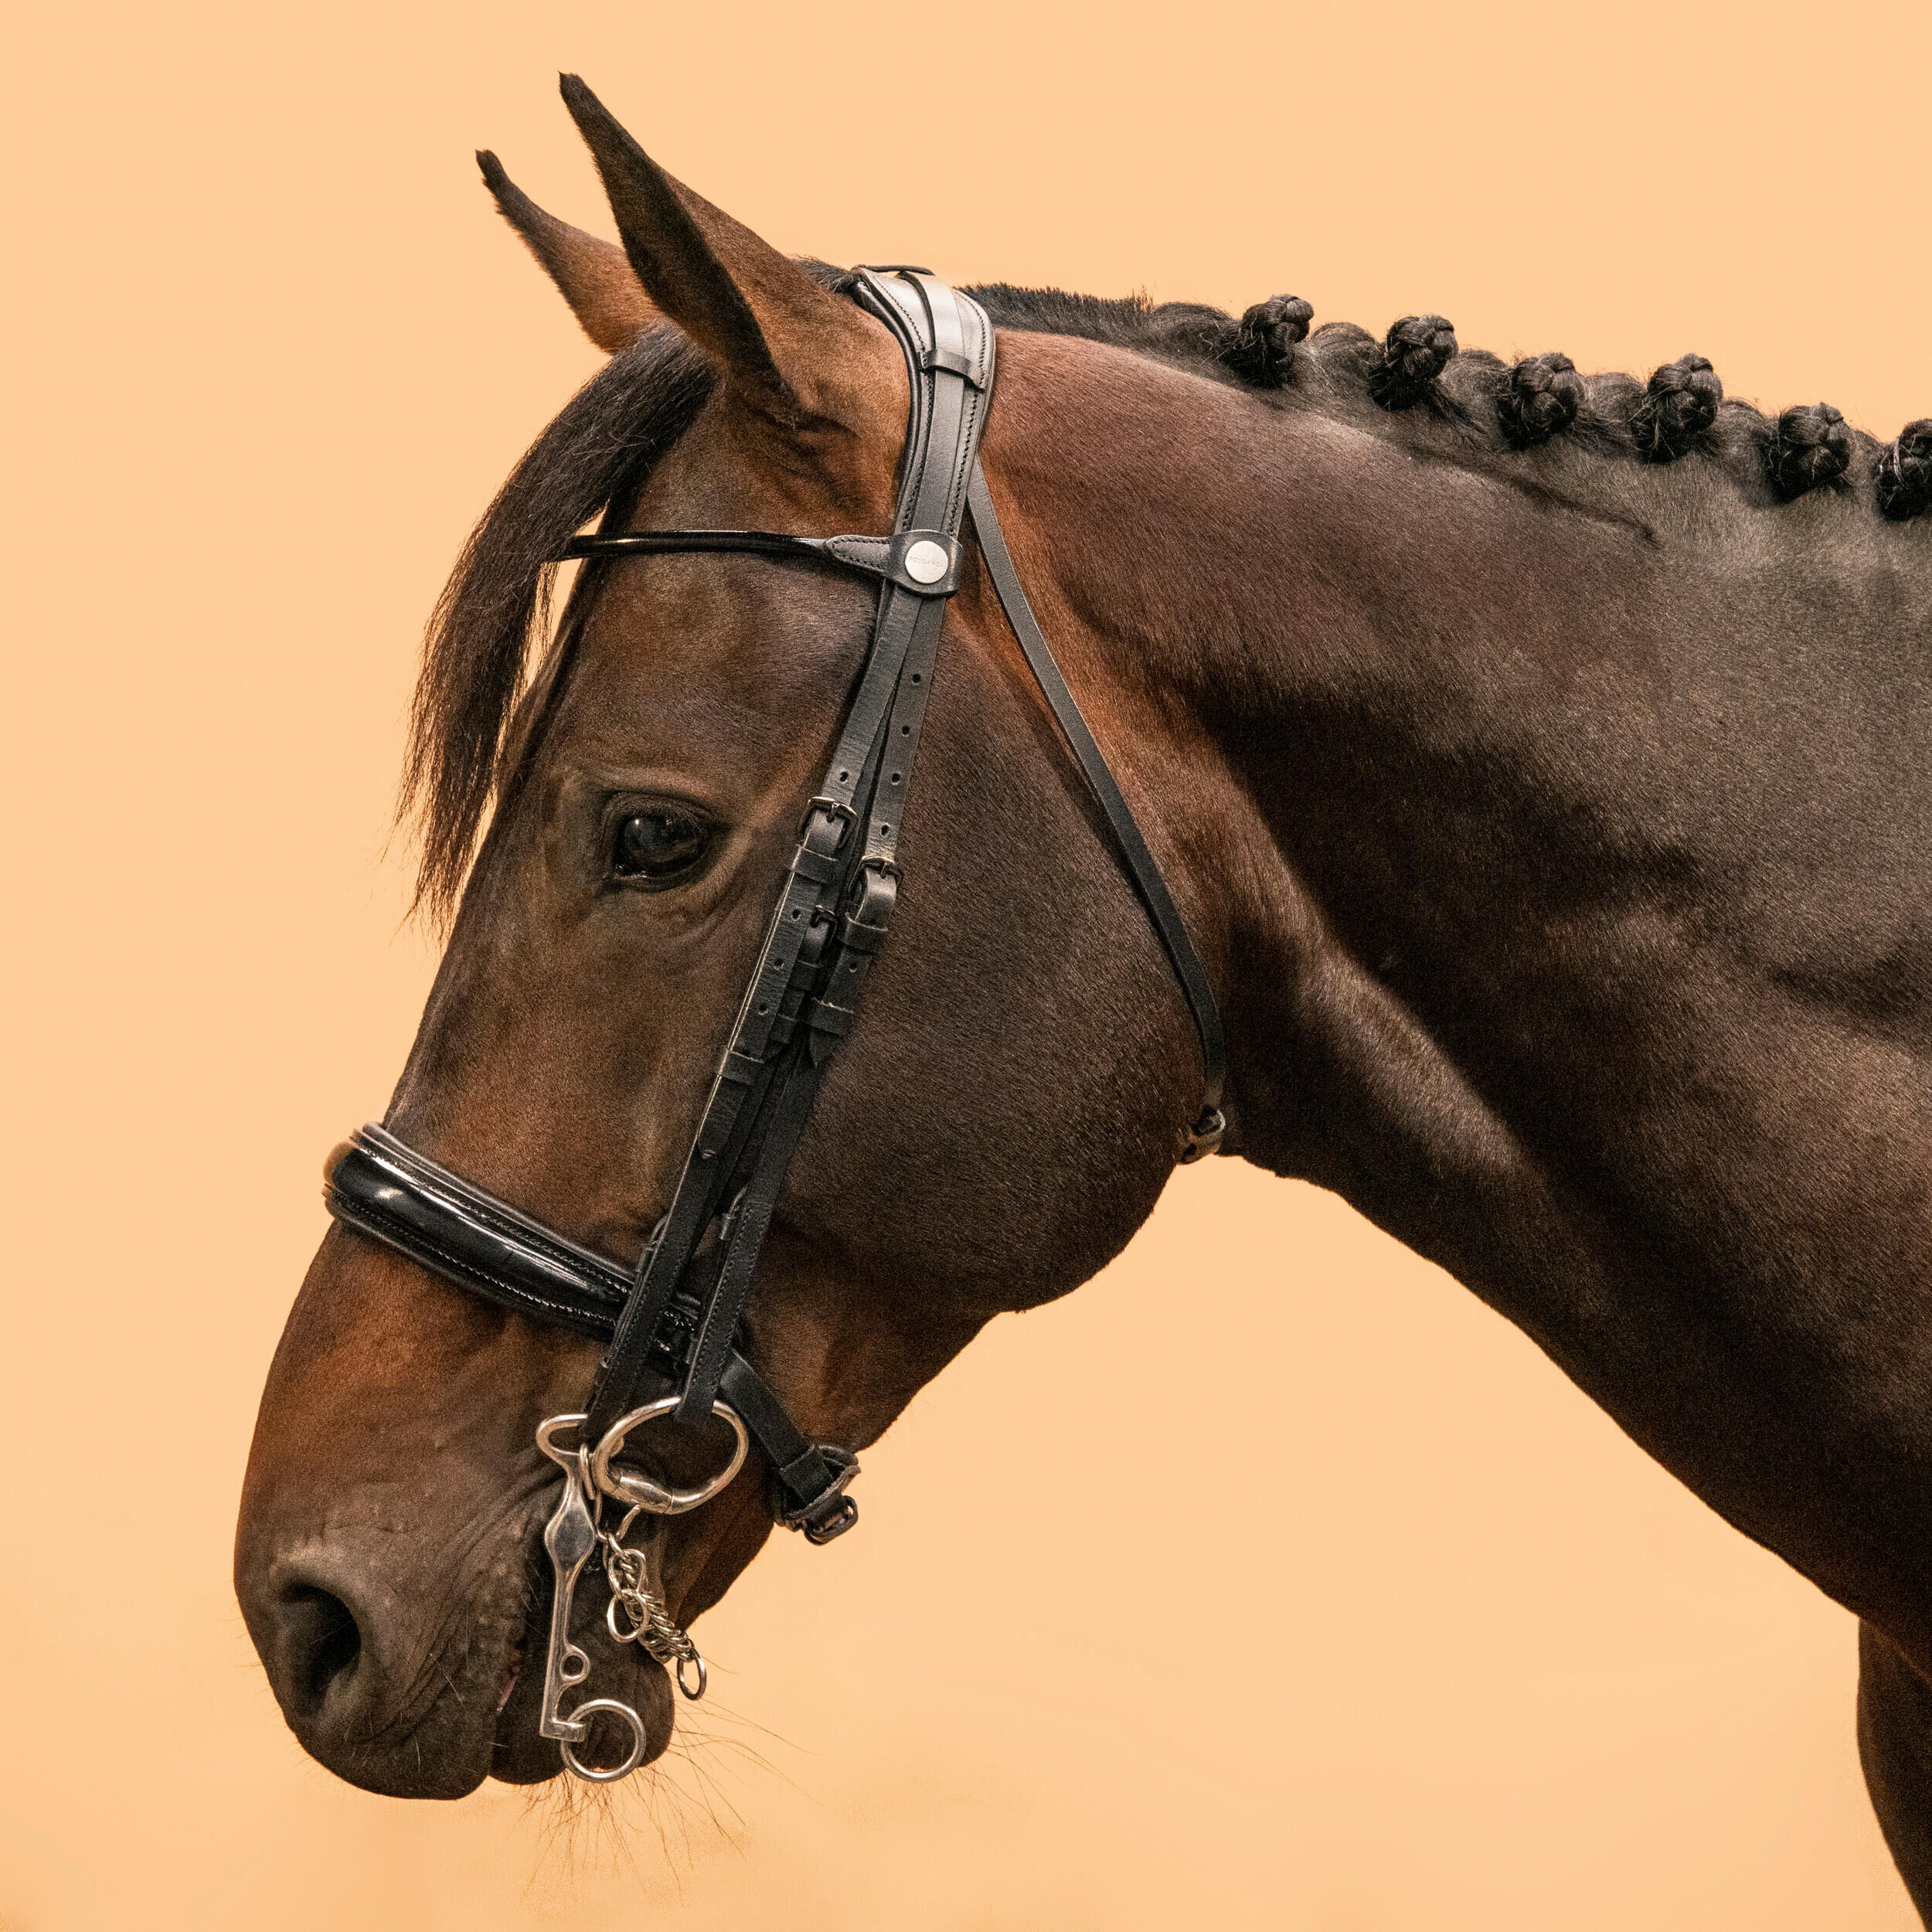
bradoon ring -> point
(632, 1486)
(587, 1773)
(703, 1676)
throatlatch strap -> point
(1140, 868)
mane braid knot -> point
(1680, 405)
(1809, 445)
(1262, 351)
(1417, 351)
(1904, 474)
(1541, 398)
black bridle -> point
(676, 1318)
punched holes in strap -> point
(949, 348)
(861, 932)
(879, 741)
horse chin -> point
(521, 1755)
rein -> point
(672, 1324)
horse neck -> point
(1397, 711)
(1558, 851)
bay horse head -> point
(1537, 759)
(990, 1134)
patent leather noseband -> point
(377, 1184)
(673, 1321)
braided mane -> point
(1418, 382)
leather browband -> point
(883, 557)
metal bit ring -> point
(610, 1623)
(703, 1676)
(633, 1486)
(590, 1773)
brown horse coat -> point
(1551, 820)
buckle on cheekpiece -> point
(823, 1529)
(1204, 1136)
(830, 1513)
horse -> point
(1535, 758)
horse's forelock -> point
(608, 439)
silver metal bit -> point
(569, 1536)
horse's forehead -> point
(734, 468)
(696, 656)
(715, 462)
(720, 641)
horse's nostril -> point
(325, 1641)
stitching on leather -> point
(392, 1232)
(593, 1284)
(398, 1232)
(526, 1233)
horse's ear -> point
(595, 276)
(790, 347)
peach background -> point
(1412, 1638)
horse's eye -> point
(658, 845)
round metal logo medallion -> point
(925, 561)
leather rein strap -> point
(676, 1318)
